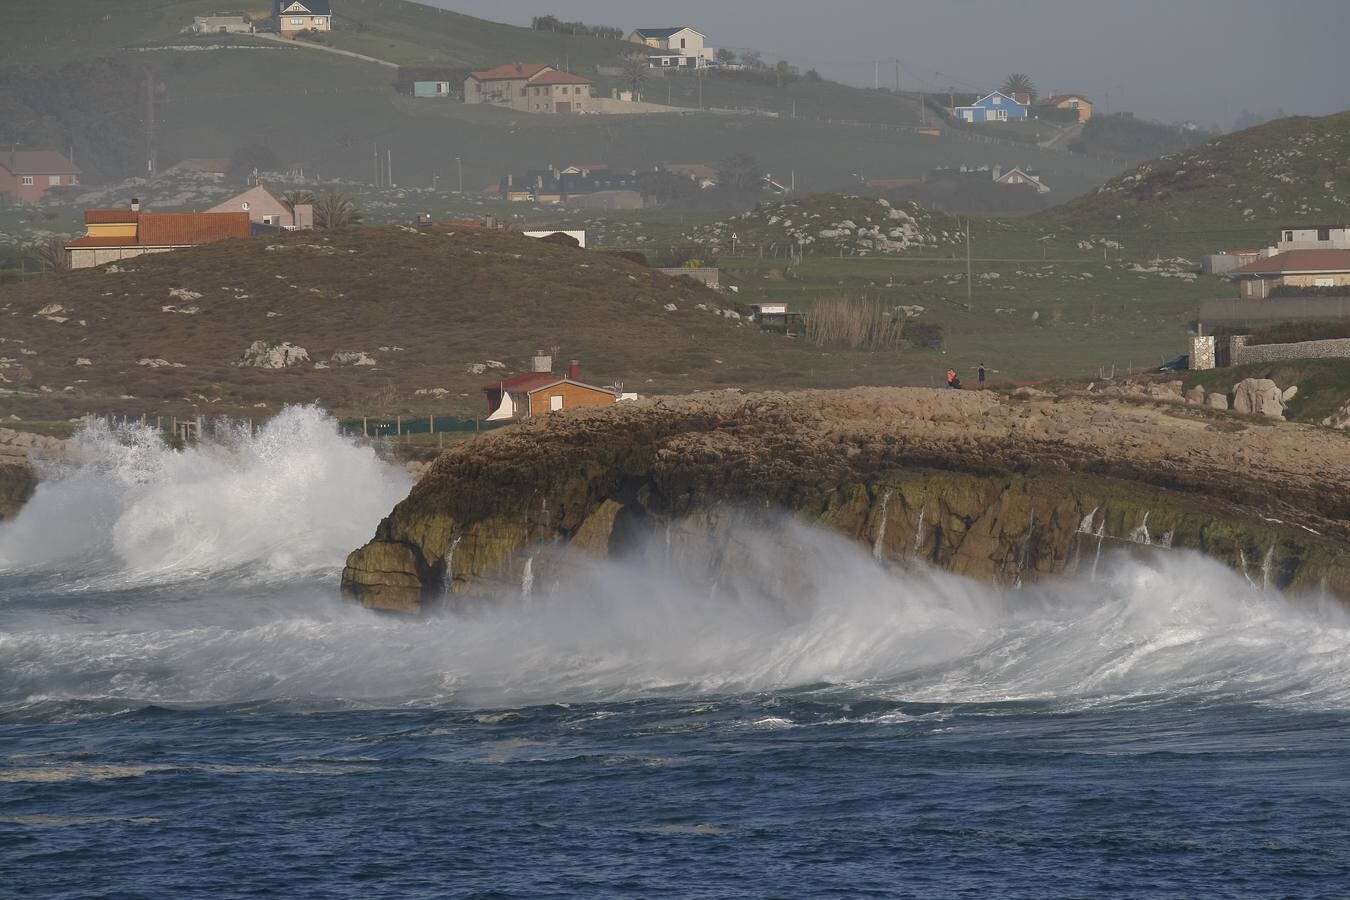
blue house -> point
(995, 107)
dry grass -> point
(853, 324)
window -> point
(296, 20)
(245, 206)
(28, 180)
(271, 220)
(681, 43)
(1288, 235)
(555, 403)
(53, 179)
(1325, 282)
(998, 101)
(1324, 234)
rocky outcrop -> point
(18, 449)
(1259, 397)
(1340, 418)
(989, 486)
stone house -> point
(26, 175)
(116, 234)
(529, 87)
(266, 208)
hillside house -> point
(1325, 268)
(1316, 237)
(295, 16)
(1021, 176)
(704, 176)
(540, 392)
(266, 208)
(995, 107)
(674, 48)
(26, 175)
(529, 87)
(554, 185)
(116, 234)
(211, 168)
(222, 24)
(1069, 101)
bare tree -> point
(333, 210)
(52, 253)
(634, 75)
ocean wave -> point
(842, 628)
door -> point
(555, 403)
(564, 107)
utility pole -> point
(389, 159)
(969, 285)
(897, 76)
(149, 122)
(459, 164)
(876, 76)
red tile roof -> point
(510, 72)
(1293, 261)
(560, 78)
(37, 162)
(530, 381)
(111, 216)
(187, 229)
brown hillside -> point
(425, 307)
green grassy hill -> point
(326, 113)
(1245, 184)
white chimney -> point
(542, 362)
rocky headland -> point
(996, 487)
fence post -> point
(365, 431)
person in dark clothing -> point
(981, 374)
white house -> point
(1324, 237)
(1021, 176)
(674, 48)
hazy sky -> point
(1204, 60)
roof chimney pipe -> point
(574, 371)
(135, 204)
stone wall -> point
(1239, 353)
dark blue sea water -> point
(188, 710)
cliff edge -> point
(996, 487)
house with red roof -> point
(25, 175)
(529, 87)
(540, 392)
(116, 234)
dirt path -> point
(309, 45)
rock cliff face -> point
(988, 486)
(17, 478)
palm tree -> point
(1019, 83)
(333, 210)
(292, 199)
